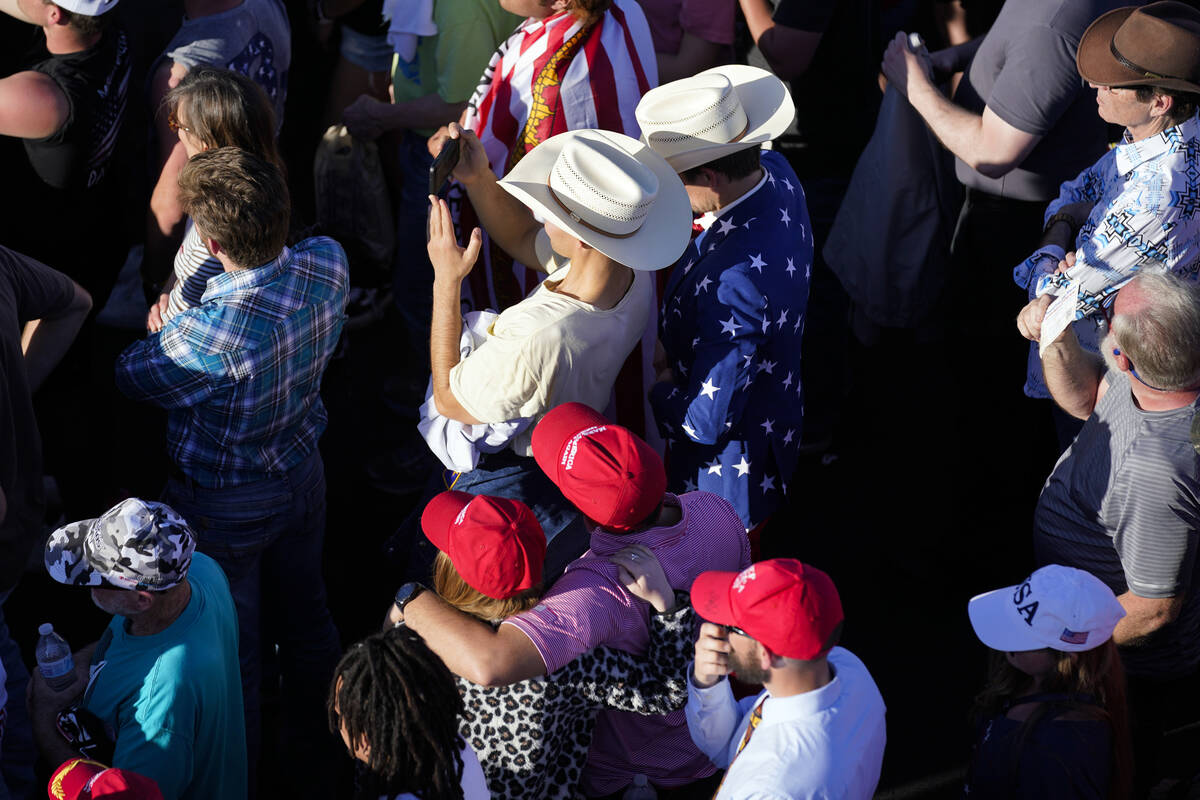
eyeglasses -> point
(737, 630)
(173, 124)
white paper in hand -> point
(1059, 315)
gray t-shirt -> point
(252, 38)
(1124, 504)
(1024, 71)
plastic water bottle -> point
(54, 658)
(640, 790)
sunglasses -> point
(173, 124)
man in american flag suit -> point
(728, 398)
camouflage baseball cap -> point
(134, 545)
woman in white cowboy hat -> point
(600, 211)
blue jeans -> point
(17, 751)
(268, 538)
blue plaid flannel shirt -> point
(240, 374)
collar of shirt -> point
(1129, 154)
(604, 543)
(706, 220)
(778, 710)
(228, 282)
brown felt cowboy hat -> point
(1154, 45)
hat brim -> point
(66, 559)
(439, 513)
(767, 104)
(710, 596)
(664, 233)
(1096, 63)
(997, 626)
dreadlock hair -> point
(393, 694)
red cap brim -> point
(710, 596)
(439, 515)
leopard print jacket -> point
(532, 737)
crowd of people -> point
(620, 326)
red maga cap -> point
(80, 779)
(496, 544)
(608, 473)
(790, 607)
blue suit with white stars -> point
(731, 325)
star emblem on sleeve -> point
(768, 426)
(782, 318)
(689, 430)
(768, 367)
(790, 268)
(709, 389)
(787, 437)
(786, 220)
(789, 186)
(714, 468)
(746, 224)
(702, 285)
(730, 326)
(756, 262)
(742, 467)
(787, 382)
(689, 485)
(726, 226)
(768, 483)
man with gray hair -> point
(1124, 501)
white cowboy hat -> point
(611, 192)
(88, 8)
(714, 113)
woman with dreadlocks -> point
(396, 707)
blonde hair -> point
(458, 593)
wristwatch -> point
(406, 593)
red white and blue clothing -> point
(731, 325)
(240, 374)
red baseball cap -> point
(496, 544)
(80, 779)
(790, 607)
(607, 472)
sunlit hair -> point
(588, 9)
(455, 591)
(223, 108)
(1161, 337)
(391, 692)
(1097, 673)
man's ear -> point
(54, 14)
(559, 5)
(766, 659)
(213, 246)
(143, 600)
(1161, 105)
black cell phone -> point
(443, 165)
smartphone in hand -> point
(443, 165)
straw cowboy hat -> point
(714, 113)
(1154, 45)
(611, 192)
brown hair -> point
(1097, 672)
(223, 108)
(588, 10)
(1182, 108)
(82, 23)
(239, 200)
(455, 591)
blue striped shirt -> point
(240, 374)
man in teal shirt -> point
(164, 679)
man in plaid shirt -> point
(240, 375)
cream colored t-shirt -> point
(551, 349)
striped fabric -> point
(194, 265)
(1124, 504)
(240, 374)
(589, 606)
(604, 77)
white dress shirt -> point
(827, 743)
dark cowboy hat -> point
(1154, 45)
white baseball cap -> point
(1059, 607)
(88, 8)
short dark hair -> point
(588, 9)
(1183, 107)
(735, 166)
(82, 23)
(238, 199)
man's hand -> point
(1029, 321)
(450, 262)
(365, 118)
(1066, 263)
(903, 67)
(642, 574)
(154, 320)
(472, 158)
(435, 142)
(712, 656)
